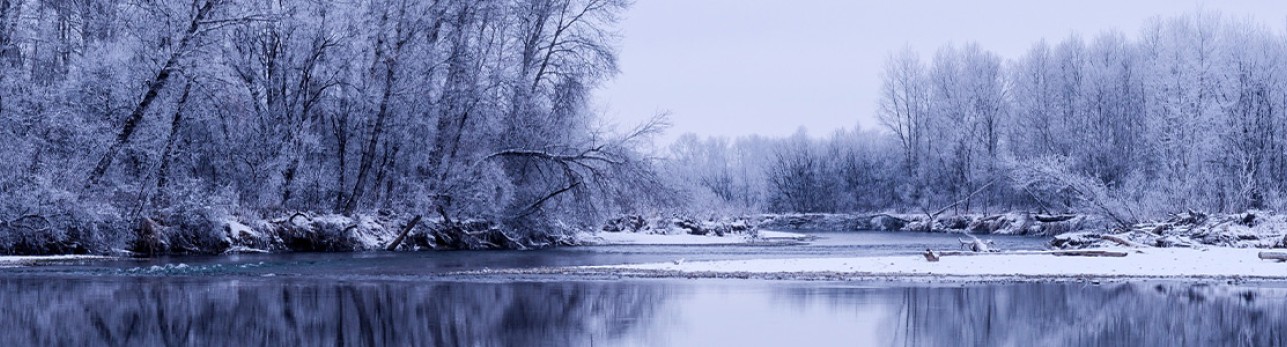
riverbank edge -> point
(1211, 264)
(212, 233)
(543, 274)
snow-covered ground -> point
(780, 235)
(20, 260)
(1251, 229)
(655, 239)
(1144, 263)
(629, 238)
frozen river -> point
(407, 299)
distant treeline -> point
(1189, 113)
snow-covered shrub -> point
(40, 217)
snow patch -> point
(609, 238)
(370, 234)
(1253, 229)
(237, 230)
(780, 235)
(628, 238)
(25, 260)
(1147, 263)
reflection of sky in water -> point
(755, 313)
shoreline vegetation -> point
(1188, 246)
(303, 232)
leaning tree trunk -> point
(167, 156)
(367, 161)
(153, 90)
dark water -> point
(404, 300)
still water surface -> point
(404, 299)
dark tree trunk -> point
(167, 156)
(154, 89)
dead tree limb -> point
(41, 218)
(403, 235)
(291, 221)
(1122, 241)
(934, 216)
(1067, 253)
(931, 255)
(1053, 218)
(1084, 253)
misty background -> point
(734, 68)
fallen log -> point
(1062, 253)
(1279, 256)
(1121, 241)
(1053, 218)
(1083, 253)
(403, 235)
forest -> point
(116, 113)
(121, 118)
(1185, 115)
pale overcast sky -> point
(740, 67)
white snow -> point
(240, 249)
(370, 234)
(237, 230)
(20, 260)
(780, 235)
(627, 238)
(1157, 262)
(331, 219)
(614, 238)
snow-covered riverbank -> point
(627, 238)
(26, 260)
(1210, 263)
(1253, 229)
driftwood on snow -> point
(1279, 256)
(934, 256)
(975, 244)
(1053, 218)
(1089, 253)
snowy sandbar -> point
(1143, 263)
(24, 260)
(629, 238)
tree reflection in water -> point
(174, 312)
(1131, 314)
(114, 311)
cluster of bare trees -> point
(468, 109)
(844, 172)
(113, 111)
(1188, 114)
